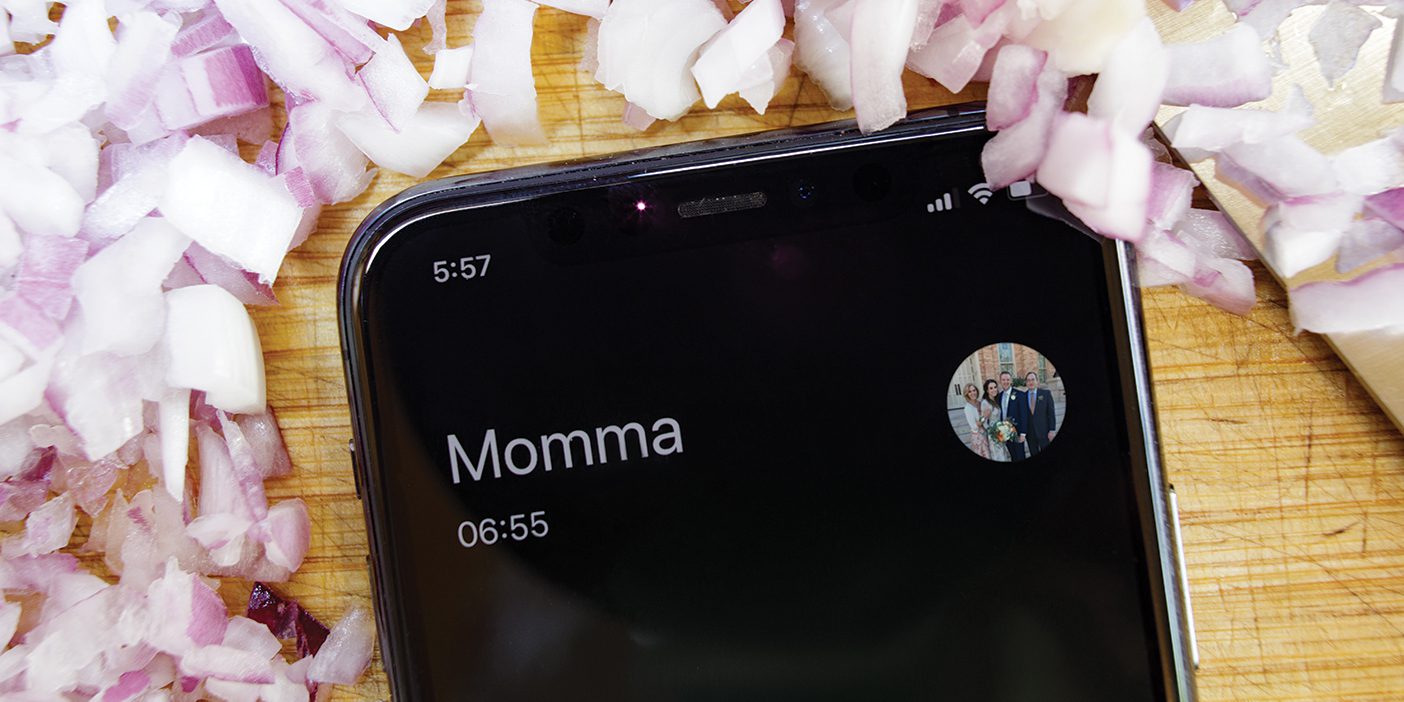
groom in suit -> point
(1013, 406)
(1042, 419)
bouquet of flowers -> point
(1003, 431)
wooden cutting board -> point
(1291, 480)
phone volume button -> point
(355, 466)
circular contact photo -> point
(1006, 402)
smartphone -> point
(712, 422)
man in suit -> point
(1042, 419)
(1012, 407)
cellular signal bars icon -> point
(942, 204)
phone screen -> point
(625, 455)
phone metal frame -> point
(1159, 522)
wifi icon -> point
(982, 192)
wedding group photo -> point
(1006, 402)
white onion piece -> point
(1170, 192)
(1225, 71)
(822, 52)
(763, 79)
(1337, 36)
(1080, 34)
(38, 200)
(119, 289)
(1305, 231)
(1200, 131)
(502, 88)
(1281, 168)
(1130, 85)
(956, 50)
(589, 8)
(1370, 167)
(1013, 85)
(646, 50)
(347, 650)
(46, 530)
(882, 31)
(395, 14)
(230, 207)
(293, 54)
(393, 83)
(213, 346)
(144, 47)
(1366, 240)
(1371, 301)
(436, 131)
(451, 68)
(1101, 173)
(721, 66)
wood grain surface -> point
(1291, 481)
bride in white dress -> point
(990, 416)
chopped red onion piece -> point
(1371, 301)
(1225, 71)
(1277, 169)
(1101, 173)
(219, 83)
(226, 663)
(636, 117)
(1129, 88)
(215, 270)
(394, 85)
(956, 49)
(1079, 34)
(204, 32)
(646, 49)
(763, 79)
(823, 52)
(144, 45)
(438, 27)
(882, 31)
(38, 200)
(83, 43)
(451, 67)
(395, 14)
(100, 398)
(46, 270)
(1388, 205)
(47, 529)
(501, 85)
(1337, 36)
(1370, 167)
(289, 533)
(721, 66)
(589, 8)
(119, 289)
(349, 35)
(230, 207)
(1366, 240)
(1305, 231)
(347, 650)
(334, 166)
(286, 619)
(1170, 193)
(1200, 131)
(1013, 85)
(1225, 283)
(23, 391)
(1394, 71)
(293, 54)
(1265, 16)
(213, 346)
(9, 621)
(1212, 234)
(436, 131)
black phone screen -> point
(622, 454)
